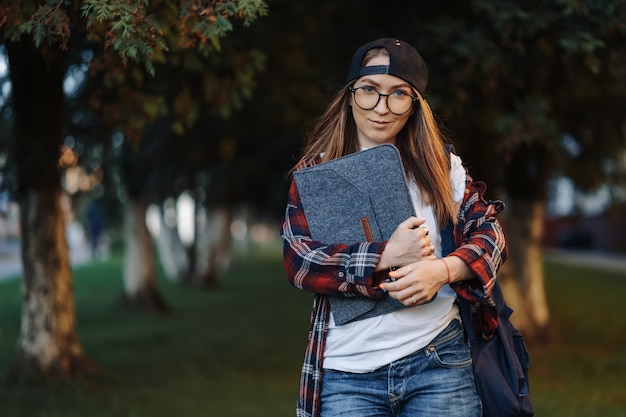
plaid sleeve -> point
(334, 269)
(481, 245)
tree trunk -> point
(48, 342)
(522, 275)
(139, 261)
(218, 247)
(175, 258)
(526, 172)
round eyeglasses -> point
(367, 97)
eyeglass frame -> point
(413, 99)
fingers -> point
(410, 242)
(417, 299)
(413, 284)
(407, 295)
(412, 222)
(428, 250)
(400, 273)
(417, 223)
(423, 231)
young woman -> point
(413, 361)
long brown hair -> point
(420, 142)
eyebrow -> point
(403, 84)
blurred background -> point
(152, 140)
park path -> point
(602, 260)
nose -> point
(382, 107)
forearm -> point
(484, 251)
(455, 269)
(328, 269)
(331, 270)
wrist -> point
(446, 272)
(459, 271)
(383, 263)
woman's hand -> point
(409, 243)
(416, 283)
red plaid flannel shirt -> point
(348, 270)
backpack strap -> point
(447, 247)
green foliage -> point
(130, 30)
(527, 121)
(229, 90)
(134, 29)
(517, 75)
(252, 10)
(196, 78)
(204, 24)
(50, 24)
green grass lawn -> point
(237, 351)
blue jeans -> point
(434, 381)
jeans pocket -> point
(452, 353)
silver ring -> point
(426, 231)
(412, 300)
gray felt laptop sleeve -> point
(356, 198)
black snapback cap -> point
(404, 62)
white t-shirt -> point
(366, 345)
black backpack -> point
(500, 363)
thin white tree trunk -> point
(139, 259)
(217, 247)
(172, 252)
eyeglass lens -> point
(367, 98)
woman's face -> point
(378, 126)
